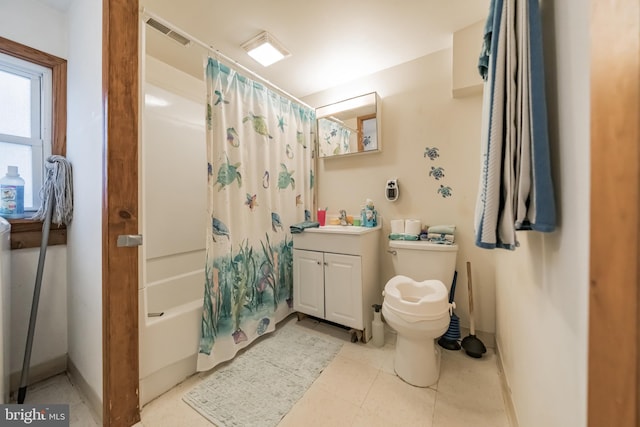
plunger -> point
(472, 344)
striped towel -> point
(433, 237)
(442, 229)
(402, 236)
(516, 192)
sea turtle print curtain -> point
(260, 181)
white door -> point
(343, 290)
(308, 282)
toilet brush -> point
(471, 344)
(450, 339)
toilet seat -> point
(416, 301)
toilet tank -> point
(421, 260)
(5, 262)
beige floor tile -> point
(393, 400)
(366, 418)
(366, 354)
(80, 416)
(59, 390)
(389, 359)
(453, 410)
(320, 408)
(347, 379)
(359, 388)
(474, 381)
(170, 410)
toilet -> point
(416, 305)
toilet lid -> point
(422, 300)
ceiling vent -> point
(184, 41)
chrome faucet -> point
(343, 217)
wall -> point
(466, 42)
(49, 350)
(418, 111)
(34, 24)
(542, 287)
(84, 150)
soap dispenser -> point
(391, 190)
(369, 215)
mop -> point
(57, 206)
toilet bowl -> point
(416, 305)
(419, 313)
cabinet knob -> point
(319, 263)
(326, 263)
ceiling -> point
(332, 41)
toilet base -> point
(417, 362)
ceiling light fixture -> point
(265, 49)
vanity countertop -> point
(343, 229)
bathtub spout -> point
(156, 314)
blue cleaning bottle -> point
(12, 194)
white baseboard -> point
(506, 392)
(40, 372)
(91, 397)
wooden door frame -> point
(614, 331)
(120, 56)
(614, 317)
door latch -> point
(129, 240)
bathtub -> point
(170, 318)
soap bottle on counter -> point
(369, 215)
(12, 194)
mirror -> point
(351, 126)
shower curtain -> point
(260, 181)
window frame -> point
(26, 233)
(41, 106)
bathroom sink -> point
(342, 239)
(343, 229)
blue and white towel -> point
(516, 192)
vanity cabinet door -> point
(343, 289)
(308, 282)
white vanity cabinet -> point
(336, 275)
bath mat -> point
(260, 386)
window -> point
(25, 122)
(27, 140)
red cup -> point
(322, 217)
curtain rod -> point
(146, 12)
